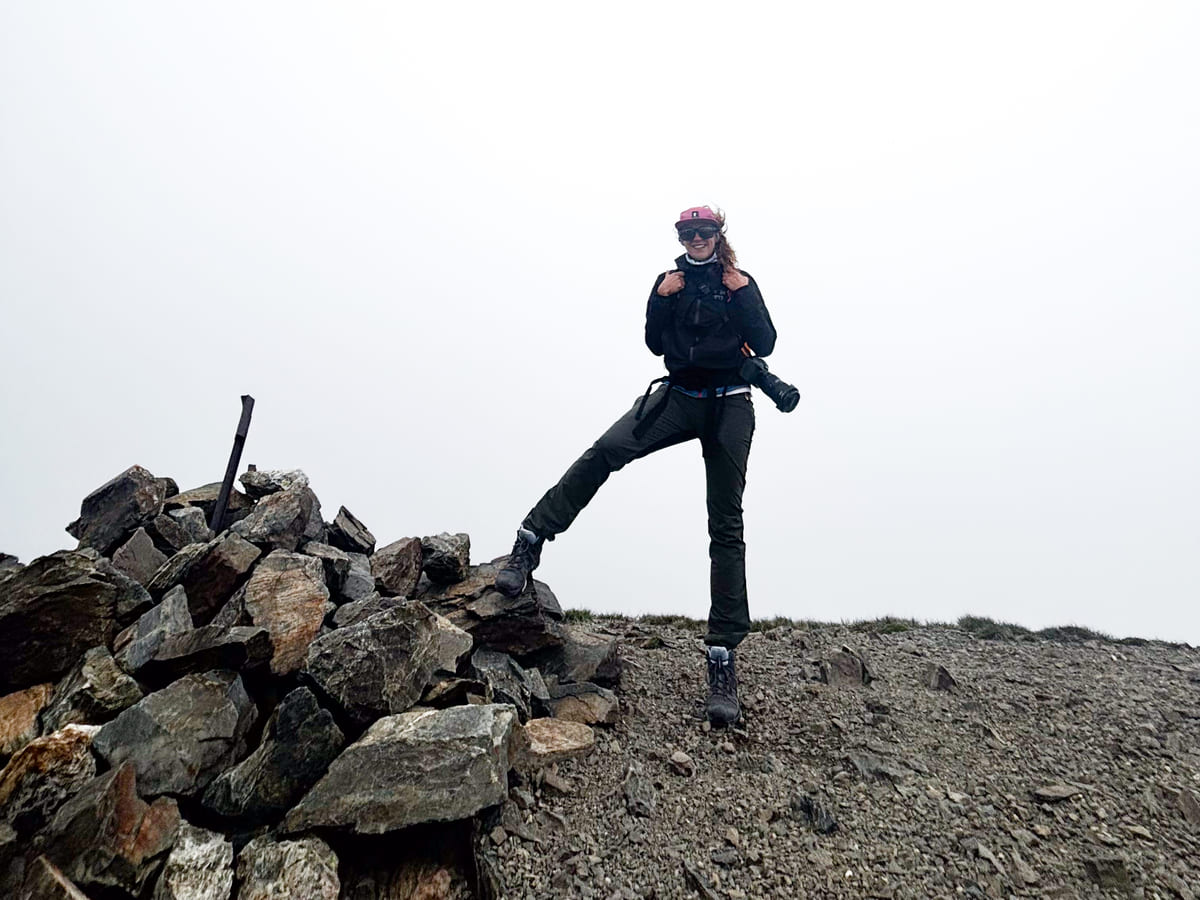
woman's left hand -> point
(733, 279)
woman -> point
(704, 317)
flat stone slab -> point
(433, 765)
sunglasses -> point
(705, 233)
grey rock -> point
(347, 533)
(92, 693)
(299, 743)
(641, 797)
(382, 665)
(335, 561)
(938, 678)
(359, 581)
(587, 703)
(287, 596)
(181, 737)
(109, 514)
(209, 647)
(279, 521)
(1110, 872)
(421, 766)
(8, 564)
(505, 680)
(397, 567)
(51, 612)
(43, 775)
(446, 557)
(45, 881)
(272, 870)
(582, 656)
(193, 521)
(870, 766)
(845, 669)
(259, 484)
(1056, 793)
(106, 836)
(132, 598)
(139, 558)
(170, 616)
(519, 626)
(199, 867)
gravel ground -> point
(891, 789)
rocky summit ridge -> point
(284, 709)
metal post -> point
(235, 459)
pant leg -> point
(558, 508)
(725, 461)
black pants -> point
(725, 456)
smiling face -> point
(697, 245)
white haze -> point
(422, 237)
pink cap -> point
(697, 213)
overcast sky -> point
(422, 237)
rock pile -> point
(276, 709)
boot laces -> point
(523, 555)
(721, 677)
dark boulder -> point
(137, 645)
(446, 557)
(299, 743)
(515, 625)
(280, 521)
(112, 512)
(214, 575)
(382, 665)
(180, 738)
(209, 647)
(349, 534)
(582, 656)
(52, 611)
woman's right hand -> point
(671, 284)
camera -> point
(784, 395)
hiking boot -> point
(722, 707)
(525, 556)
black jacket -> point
(700, 330)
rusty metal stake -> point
(235, 459)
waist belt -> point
(711, 413)
(716, 392)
